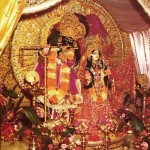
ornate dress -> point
(95, 109)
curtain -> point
(141, 47)
(128, 14)
(10, 13)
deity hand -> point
(88, 78)
(112, 86)
(78, 99)
(59, 62)
(45, 51)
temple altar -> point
(74, 75)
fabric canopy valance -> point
(10, 13)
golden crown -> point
(70, 26)
(94, 42)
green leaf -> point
(137, 123)
(68, 131)
(37, 132)
(11, 93)
(22, 129)
(32, 115)
(18, 103)
(2, 114)
(14, 88)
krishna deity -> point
(62, 86)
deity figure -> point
(95, 109)
(62, 86)
(97, 72)
(63, 90)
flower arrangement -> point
(9, 104)
(16, 121)
(142, 138)
(142, 141)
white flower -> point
(64, 146)
(78, 142)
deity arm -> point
(78, 85)
(109, 82)
(107, 72)
(79, 95)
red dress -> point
(95, 109)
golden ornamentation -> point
(32, 77)
(24, 60)
(142, 79)
(34, 31)
(146, 5)
(6, 74)
(67, 54)
(70, 26)
(46, 29)
(127, 43)
(94, 42)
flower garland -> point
(57, 93)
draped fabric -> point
(39, 5)
(146, 5)
(128, 14)
(124, 77)
(10, 13)
(141, 46)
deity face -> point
(70, 54)
(67, 53)
(95, 55)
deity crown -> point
(70, 26)
(94, 42)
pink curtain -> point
(128, 14)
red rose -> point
(144, 133)
(78, 148)
(27, 132)
(50, 146)
(58, 127)
(1, 101)
(94, 138)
